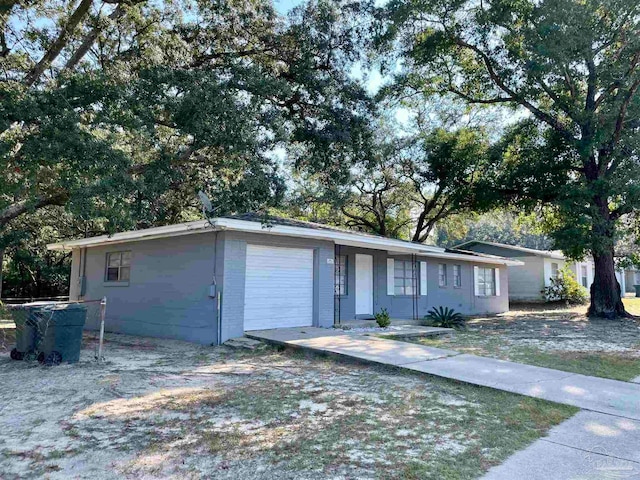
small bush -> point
(382, 318)
(445, 317)
(566, 288)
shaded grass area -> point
(554, 338)
(218, 413)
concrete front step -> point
(359, 323)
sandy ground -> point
(561, 329)
(168, 409)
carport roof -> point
(285, 227)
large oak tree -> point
(121, 110)
(107, 105)
(571, 71)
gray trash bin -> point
(27, 318)
(60, 333)
(637, 287)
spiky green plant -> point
(445, 317)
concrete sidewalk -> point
(590, 393)
(601, 442)
(589, 445)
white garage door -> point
(279, 287)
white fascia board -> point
(340, 238)
(474, 259)
(220, 224)
(200, 226)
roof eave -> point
(392, 246)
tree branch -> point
(59, 43)
(18, 208)
(90, 38)
(495, 78)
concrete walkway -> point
(589, 445)
(601, 442)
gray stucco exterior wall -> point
(168, 294)
(461, 299)
(168, 291)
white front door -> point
(364, 284)
(278, 288)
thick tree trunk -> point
(1, 269)
(605, 291)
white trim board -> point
(354, 239)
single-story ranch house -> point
(208, 281)
(528, 279)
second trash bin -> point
(60, 333)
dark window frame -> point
(340, 276)
(584, 276)
(120, 272)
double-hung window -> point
(583, 276)
(486, 279)
(457, 276)
(404, 278)
(341, 275)
(118, 267)
(554, 271)
(442, 275)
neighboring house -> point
(207, 282)
(527, 281)
(632, 277)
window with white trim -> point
(442, 274)
(583, 276)
(554, 271)
(486, 286)
(341, 275)
(404, 282)
(118, 267)
(457, 276)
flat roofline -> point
(338, 237)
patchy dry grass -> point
(632, 305)
(165, 409)
(564, 339)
